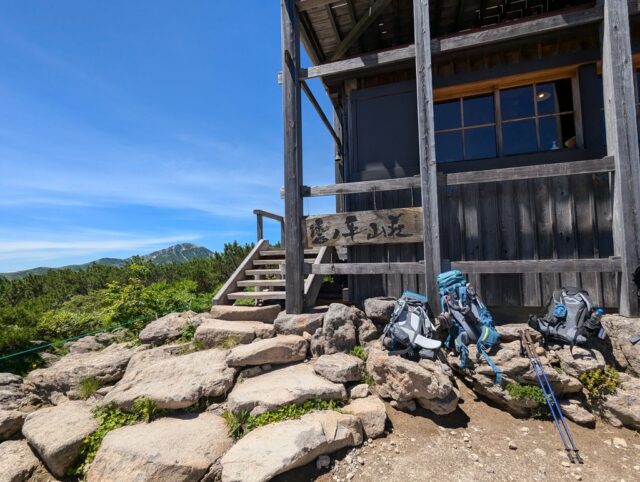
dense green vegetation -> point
(600, 382)
(66, 303)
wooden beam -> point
(222, 296)
(304, 5)
(292, 112)
(604, 265)
(351, 10)
(393, 184)
(320, 112)
(479, 38)
(267, 214)
(622, 143)
(427, 146)
(530, 172)
(363, 24)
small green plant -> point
(187, 333)
(244, 302)
(243, 423)
(367, 378)
(530, 392)
(600, 382)
(358, 351)
(109, 418)
(88, 387)
(228, 343)
(58, 347)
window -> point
(531, 118)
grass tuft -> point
(88, 387)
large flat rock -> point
(107, 366)
(10, 423)
(580, 360)
(371, 412)
(169, 327)
(11, 391)
(56, 433)
(287, 324)
(275, 351)
(339, 367)
(620, 330)
(166, 450)
(265, 314)
(622, 408)
(294, 384)
(17, 461)
(173, 381)
(217, 333)
(273, 449)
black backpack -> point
(571, 318)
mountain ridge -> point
(178, 253)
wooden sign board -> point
(385, 226)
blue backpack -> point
(469, 319)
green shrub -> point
(243, 423)
(88, 387)
(601, 382)
(526, 392)
(187, 333)
(359, 351)
(109, 418)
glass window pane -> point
(519, 137)
(557, 132)
(517, 103)
(478, 110)
(480, 143)
(554, 97)
(449, 146)
(447, 115)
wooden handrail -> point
(260, 214)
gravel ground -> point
(481, 443)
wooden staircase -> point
(261, 275)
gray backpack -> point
(571, 317)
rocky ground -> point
(409, 421)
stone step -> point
(281, 253)
(257, 295)
(262, 282)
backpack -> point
(410, 332)
(469, 320)
(571, 317)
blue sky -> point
(130, 126)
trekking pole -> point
(555, 401)
(552, 403)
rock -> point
(619, 442)
(278, 350)
(323, 462)
(10, 423)
(512, 445)
(359, 391)
(226, 334)
(169, 449)
(409, 406)
(56, 433)
(265, 314)
(338, 332)
(286, 324)
(106, 366)
(340, 367)
(254, 458)
(577, 413)
(11, 391)
(17, 461)
(169, 327)
(379, 309)
(622, 408)
(173, 382)
(428, 382)
(85, 344)
(367, 331)
(372, 414)
(619, 330)
(294, 384)
(582, 360)
(511, 332)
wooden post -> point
(622, 144)
(428, 172)
(260, 226)
(291, 99)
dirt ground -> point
(474, 444)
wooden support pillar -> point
(622, 144)
(428, 172)
(291, 106)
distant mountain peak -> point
(179, 253)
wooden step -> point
(263, 272)
(280, 252)
(262, 282)
(257, 295)
(267, 262)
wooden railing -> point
(260, 215)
